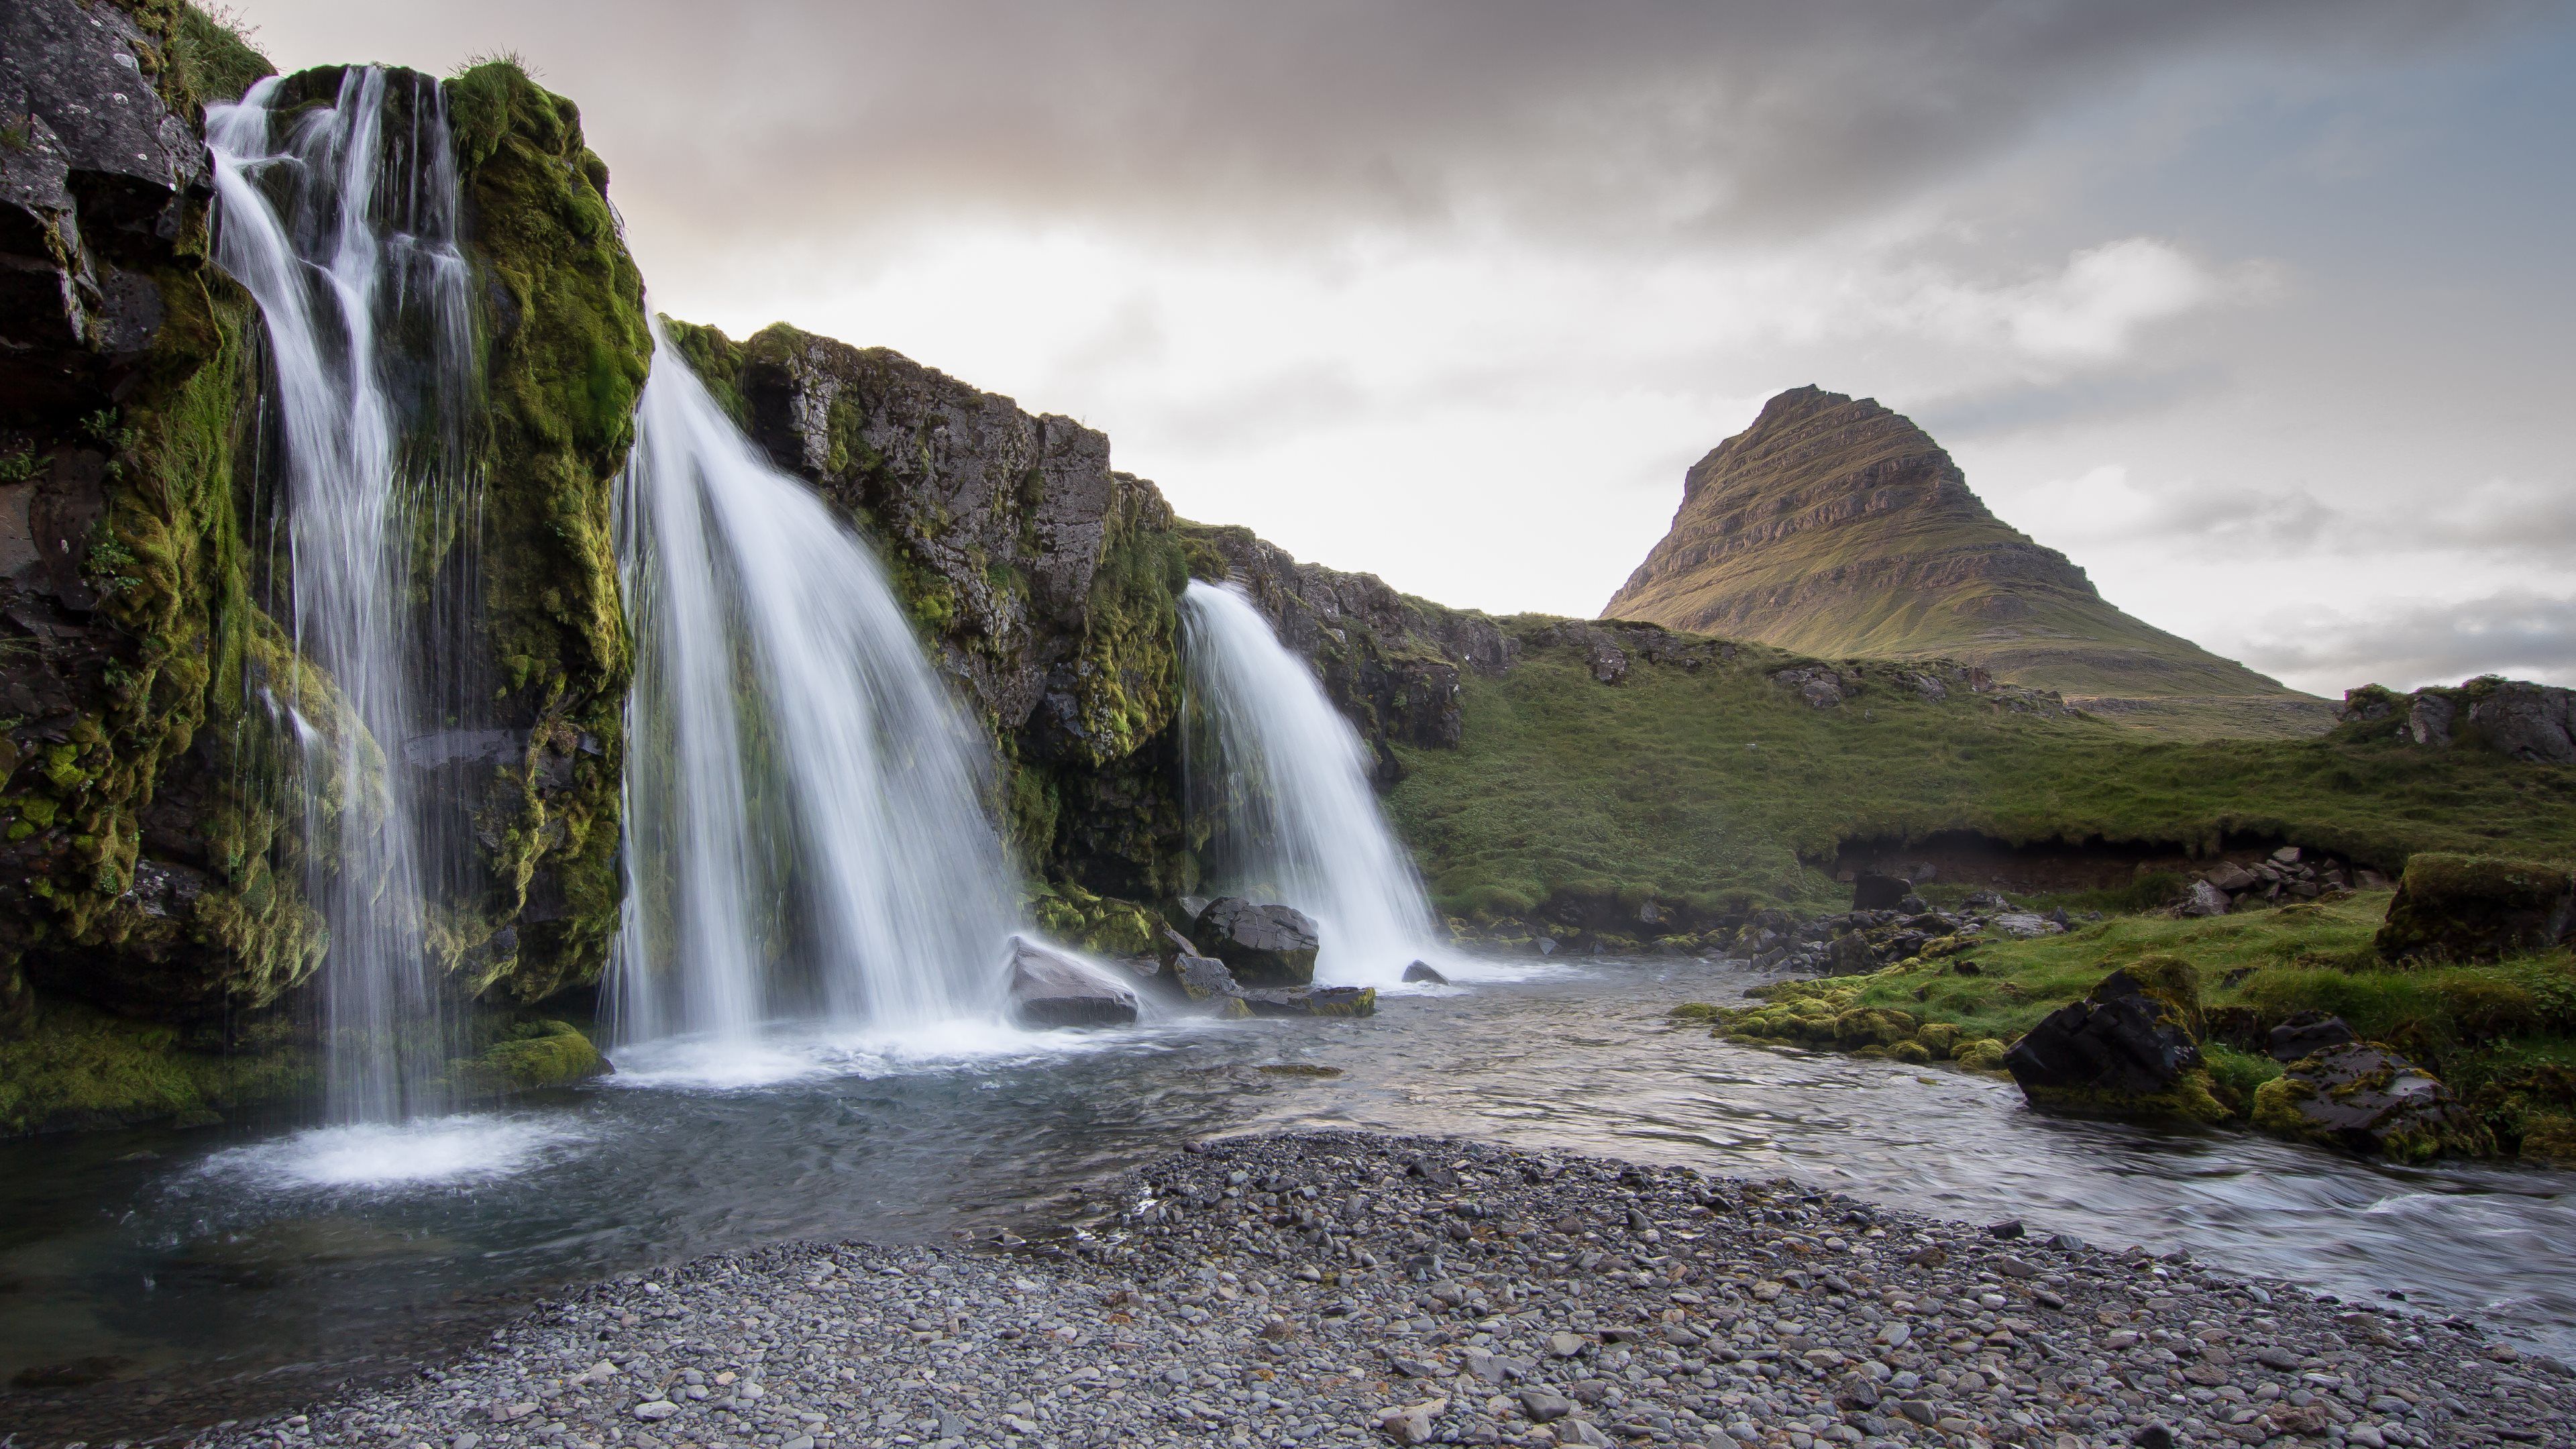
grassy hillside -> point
(1834, 526)
(1701, 780)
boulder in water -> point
(1263, 945)
(1203, 978)
(1049, 988)
(1312, 1001)
(2366, 1098)
(2131, 1047)
(1421, 971)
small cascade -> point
(339, 215)
(805, 838)
(1282, 780)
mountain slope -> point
(1836, 527)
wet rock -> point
(1263, 945)
(1049, 989)
(2366, 1098)
(2476, 908)
(1203, 978)
(2306, 1034)
(2131, 1046)
(1423, 972)
(1312, 1000)
(1872, 891)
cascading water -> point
(341, 221)
(1282, 780)
(804, 832)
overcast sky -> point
(2262, 312)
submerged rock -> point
(1263, 945)
(1312, 1001)
(1421, 971)
(2476, 908)
(2132, 1046)
(1052, 989)
(2366, 1098)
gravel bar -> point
(1346, 1288)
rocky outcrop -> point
(2524, 721)
(155, 851)
(1263, 945)
(2476, 908)
(1389, 661)
(1833, 526)
(2365, 1098)
(2130, 1047)
(1047, 580)
(1050, 989)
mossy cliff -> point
(1046, 582)
(154, 853)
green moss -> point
(533, 1054)
(1099, 924)
(80, 1068)
(565, 365)
(2452, 906)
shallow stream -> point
(191, 1276)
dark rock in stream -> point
(1313, 1001)
(2132, 1046)
(1421, 971)
(2366, 1098)
(1048, 989)
(1263, 945)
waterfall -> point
(1282, 779)
(341, 221)
(805, 837)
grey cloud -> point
(1637, 118)
(2409, 643)
(2088, 398)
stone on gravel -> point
(1051, 989)
(1263, 945)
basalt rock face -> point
(1390, 662)
(1836, 527)
(2535, 723)
(155, 849)
(1047, 581)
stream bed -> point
(155, 1279)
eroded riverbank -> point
(1344, 1287)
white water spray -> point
(1283, 780)
(804, 834)
(344, 230)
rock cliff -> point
(2524, 721)
(1837, 527)
(155, 857)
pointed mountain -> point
(1836, 527)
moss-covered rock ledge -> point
(2282, 1006)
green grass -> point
(2501, 1035)
(1714, 787)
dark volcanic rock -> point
(1263, 945)
(1312, 1001)
(2305, 1034)
(1425, 973)
(2534, 722)
(2476, 908)
(1875, 892)
(1203, 978)
(2366, 1098)
(1049, 989)
(2132, 1045)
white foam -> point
(428, 1151)
(730, 1063)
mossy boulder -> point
(2532, 1112)
(2365, 1098)
(2131, 1047)
(530, 1055)
(2451, 907)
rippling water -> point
(201, 1274)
